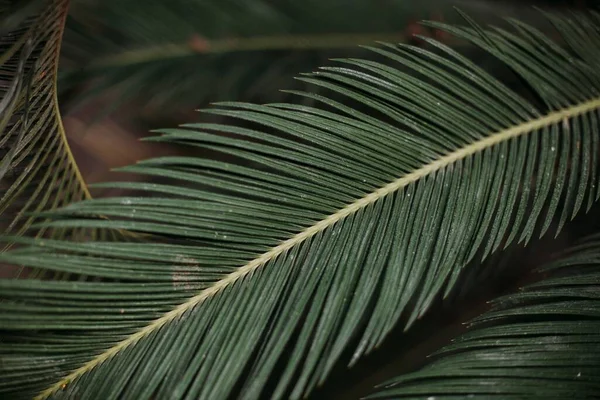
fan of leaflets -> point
(37, 170)
(316, 230)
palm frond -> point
(542, 342)
(37, 169)
(324, 229)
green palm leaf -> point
(324, 229)
(37, 168)
(542, 342)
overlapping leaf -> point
(37, 170)
(540, 343)
(324, 229)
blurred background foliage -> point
(128, 66)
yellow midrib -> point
(549, 119)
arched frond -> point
(37, 169)
(324, 229)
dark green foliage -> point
(323, 229)
(542, 342)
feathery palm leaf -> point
(346, 224)
(37, 170)
(542, 342)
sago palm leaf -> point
(37, 170)
(542, 342)
(322, 230)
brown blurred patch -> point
(112, 142)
